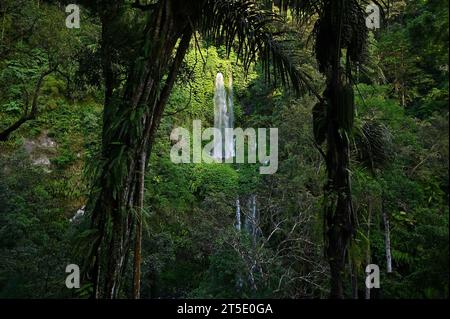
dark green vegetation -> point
(363, 133)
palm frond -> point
(350, 15)
(306, 9)
(303, 9)
(242, 25)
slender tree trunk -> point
(138, 238)
(339, 216)
(368, 253)
(387, 238)
(30, 112)
(354, 278)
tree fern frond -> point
(373, 142)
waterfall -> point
(230, 108)
(223, 118)
(238, 215)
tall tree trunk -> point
(354, 278)
(387, 238)
(138, 237)
(339, 216)
(339, 212)
(130, 122)
(368, 253)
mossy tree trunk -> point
(130, 122)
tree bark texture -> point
(130, 122)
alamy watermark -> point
(373, 19)
(226, 146)
(373, 276)
(73, 279)
(73, 19)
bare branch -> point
(27, 115)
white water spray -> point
(223, 118)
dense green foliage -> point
(190, 244)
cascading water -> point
(230, 110)
(223, 118)
(238, 215)
(224, 148)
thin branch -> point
(183, 108)
(197, 45)
(27, 116)
(430, 154)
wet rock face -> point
(40, 150)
